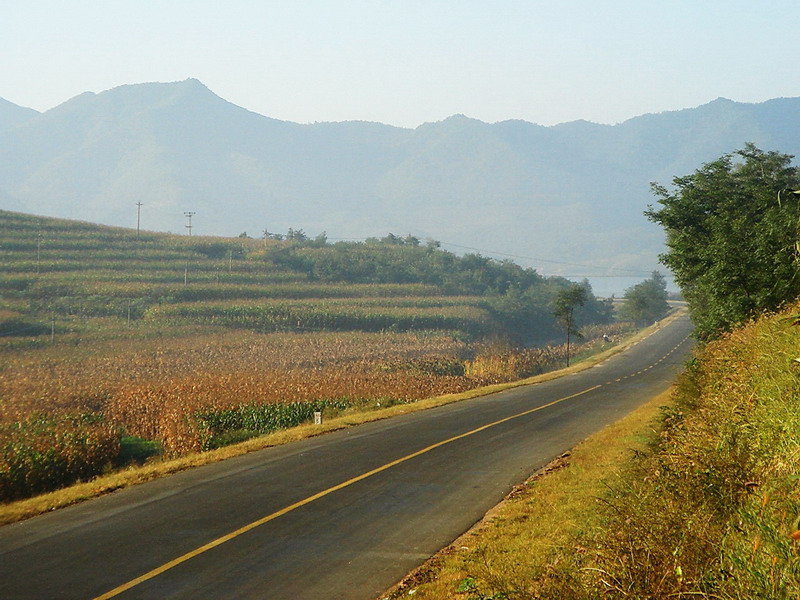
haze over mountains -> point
(573, 192)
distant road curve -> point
(340, 516)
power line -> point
(606, 276)
(138, 217)
(532, 258)
(546, 260)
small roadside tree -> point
(646, 301)
(567, 300)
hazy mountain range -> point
(573, 192)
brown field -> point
(152, 388)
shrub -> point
(222, 427)
(43, 453)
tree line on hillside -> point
(394, 259)
(732, 232)
(520, 299)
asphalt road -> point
(340, 516)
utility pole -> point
(569, 327)
(189, 216)
(38, 247)
(138, 217)
(566, 302)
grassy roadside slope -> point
(706, 506)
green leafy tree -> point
(732, 232)
(523, 316)
(645, 302)
(567, 300)
(593, 310)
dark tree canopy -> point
(732, 230)
(646, 301)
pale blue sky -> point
(408, 62)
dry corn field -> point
(64, 409)
(153, 388)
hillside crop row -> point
(449, 314)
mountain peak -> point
(720, 101)
(461, 118)
(191, 85)
(451, 123)
(135, 96)
(156, 88)
(192, 81)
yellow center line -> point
(233, 534)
